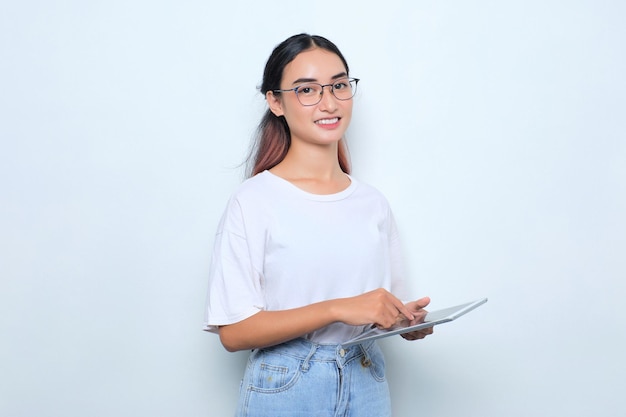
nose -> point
(328, 101)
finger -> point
(418, 334)
(411, 336)
(421, 303)
(426, 332)
(395, 310)
(418, 317)
(403, 309)
(417, 306)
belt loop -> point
(305, 364)
(365, 360)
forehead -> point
(314, 64)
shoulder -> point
(367, 188)
(253, 195)
(370, 193)
(256, 187)
(247, 205)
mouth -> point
(331, 121)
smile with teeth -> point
(328, 121)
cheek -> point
(293, 111)
(297, 117)
(347, 107)
(347, 113)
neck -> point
(313, 169)
(311, 162)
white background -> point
(495, 128)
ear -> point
(275, 103)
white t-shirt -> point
(279, 247)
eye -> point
(339, 85)
(308, 89)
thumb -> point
(421, 303)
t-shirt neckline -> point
(311, 196)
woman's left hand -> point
(417, 308)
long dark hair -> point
(273, 137)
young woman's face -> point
(322, 123)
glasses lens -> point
(309, 94)
(344, 89)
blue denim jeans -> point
(301, 378)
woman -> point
(306, 256)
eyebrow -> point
(314, 80)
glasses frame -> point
(332, 90)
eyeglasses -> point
(309, 94)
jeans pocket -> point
(274, 372)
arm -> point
(267, 328)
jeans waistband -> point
(310, 351)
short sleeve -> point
(235, 285)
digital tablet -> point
(433, 318)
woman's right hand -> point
(379, 307)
